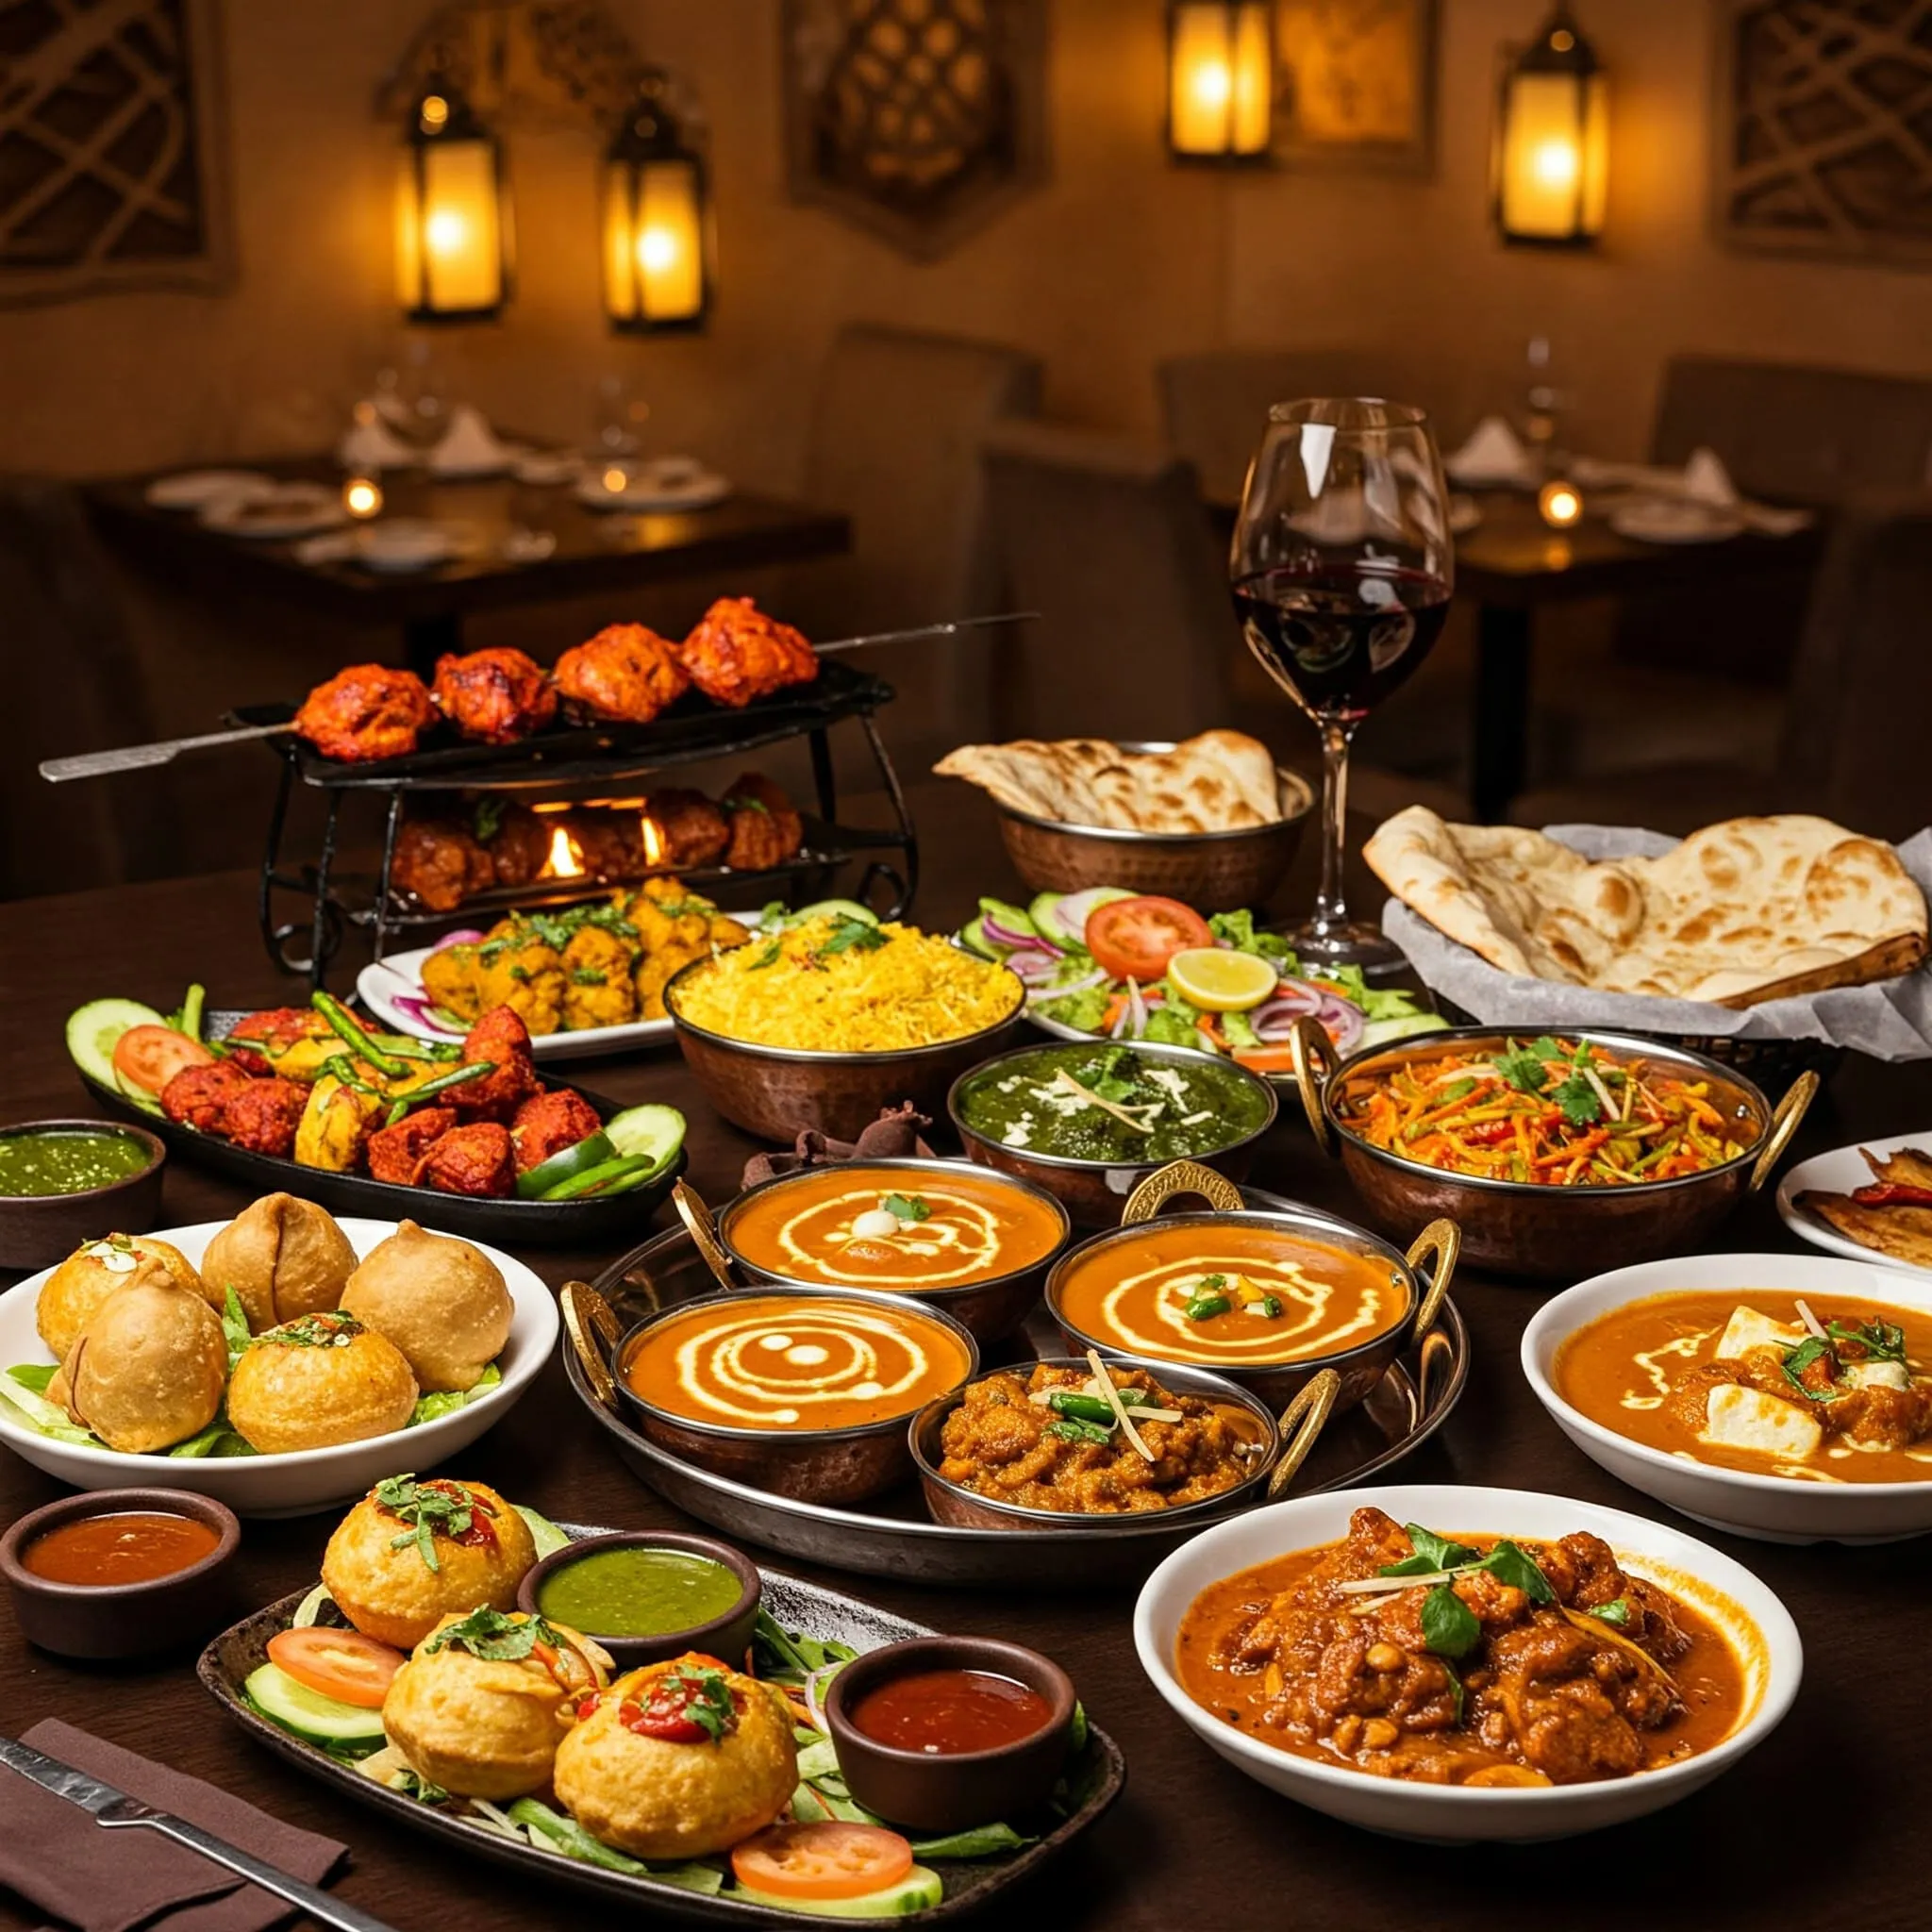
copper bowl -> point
(935, 1791)
(951, 1501)
(1095, 1192)
(725, 1635)
(1214, 871)
(835, 1467)
(1544, 1232)
(1275, 1385)
(106, 1621)
(987, 1311)
(774, 1092)
(36, 1230)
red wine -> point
(1340, 638)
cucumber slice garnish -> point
(308, 1713)
(93, 1029)
(652, 1130)
(544, 1533)
(833, 908)
(918, 1891)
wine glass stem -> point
(1330, 906)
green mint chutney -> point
(67, 1160)
(638, 1592)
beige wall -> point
(1119, 261)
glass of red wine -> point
(1343, 566)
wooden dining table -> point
(592, 551)
(1817, 1828)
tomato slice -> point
(342, 1664)
(1266, 1059)
(1134, 938)
(150, 1057)
(829, 1861)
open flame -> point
(565, 861)
(654, 841)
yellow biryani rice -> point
(910, 991)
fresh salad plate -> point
(800, 1620)
(297, 1482)
(1104, 962)
(1843, 1170)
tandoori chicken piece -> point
(518, 843)
(264, 1115)
(695, 831)
(626, 674)
(765, 830)
(259, 1043)
(368, 711)
(738, 654)
(439, 864)
(609, 845)
(503, 1039)
(474, 1159)
(395, 1153)
(548, 1123)
(496, 696)
(198, 1095)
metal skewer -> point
(134, 758)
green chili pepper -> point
(1270, 1306)
(396, 1111)
(457, 1076)
(1205, 1307)
(1086, 1409)
(407, 1049)
(343, 1023)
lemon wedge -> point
(1221, 980)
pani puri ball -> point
(317, 1381)
(442, 1302)
(376, 1571)
(483, 1727)
(283, 1257)
(147, 1370)
(656, 1798)
(95, 1269)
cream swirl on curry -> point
(902, 1229)
(1230, 1296)
(753, 1361)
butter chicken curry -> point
(1459, 1660)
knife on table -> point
(111, 1809)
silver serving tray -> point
(895, 1538)
(1094, 1777)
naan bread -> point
(1752, 909)
(1219, 781)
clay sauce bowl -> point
(931, 1792)
(101, 1622)
(726, 1636)
(38, 1230)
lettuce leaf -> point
(43, 1417)
(1083, 1011)
(447, 1401)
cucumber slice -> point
(918, 1891)
(308, 1713)
(92, 1030)
(652, 1130)
(565, 1165)
(1041, 911)
(973, 939)
(547, 1534)
(1379, 1032)
(833, 908)
(309, 1609)
(1077, 909)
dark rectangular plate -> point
(1097, 1775)
(503, 1222)
(692, 728)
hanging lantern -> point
(1553, 141)
(453, 231)
(657, 220)
(1220, 79)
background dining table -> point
(1815, 1829)
(594, 551)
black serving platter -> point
(1095, 1778)
(503, 1222)
(691, 728)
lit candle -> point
(362, 497)
(1562, 505)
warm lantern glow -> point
(362, 497)
(1552, 142)
(452, 231)
(1560, 503)
(1220, 79)
(565, 861)
(656, 242)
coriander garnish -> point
(496, 1636)
(431, 1509)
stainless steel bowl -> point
(989, 1310)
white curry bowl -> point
(302, 1481)
(1772, 1508)
(1752, 1618)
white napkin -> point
(1703, 479)
(1492, 457)
(370, 444)
(470, 447)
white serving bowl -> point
(1756, 1623)
(1773, 1508)
(303, 1480)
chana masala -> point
(1549, 1111)
(1824, 1389)
(1459, 1659)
